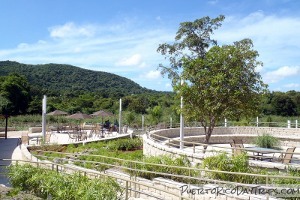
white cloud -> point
(127, 48)
(274, 37)
(292, 85)
(133, 60)
(212, 2)
(71, 30)
(168, 86)
(152, 75)
(281, 73)
(42, 42)
(23, 45)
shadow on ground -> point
(7, 147)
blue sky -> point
(121, 37)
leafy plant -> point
(224, 162)
(150, 171)
(125, 144)
(266, 141)
(45, 183)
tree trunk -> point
(208, 131)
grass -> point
(266, 141)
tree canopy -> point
(16, 91)
(220, 81)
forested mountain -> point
(59, 79)
(74, 89)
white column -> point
(181, 121)
(143, 120)
(296, 123)
(256, 121)
(181, 125)
(171, 121)
(44, 111)
(225, 124)
(120, 117)
(289, 124)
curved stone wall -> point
(240, 130)
(154, 145)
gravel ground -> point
(5, 194)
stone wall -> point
(240, 130)
(155, 146)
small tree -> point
(155, 114)
(220, 82)
(129, 118)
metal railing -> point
(197, 147)
(131, 186)
(131, 166)
(287, 124)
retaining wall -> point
(220, 135)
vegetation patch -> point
(266, 141)
(149, 168)
(225, 162)
(91, 154)
(54, 185)
(240, 163)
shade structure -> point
(102, 114)
(79, 115)
(57, 112)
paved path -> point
(8, 150)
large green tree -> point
(220, 81)
(16, 90)
(283, 105)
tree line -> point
(17, 98)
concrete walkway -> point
(9, 150)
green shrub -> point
(291, 171)
(225, 162)
(125, 144)
(156, 171)
(45, 183)
(266, 141)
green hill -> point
(58, 79)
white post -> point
(181, 122)
(289, 123)
(44, 110)
(296, 123)
(171, 121)
(225, 122)
(143, 119)
(120, 117)
(256, 121)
